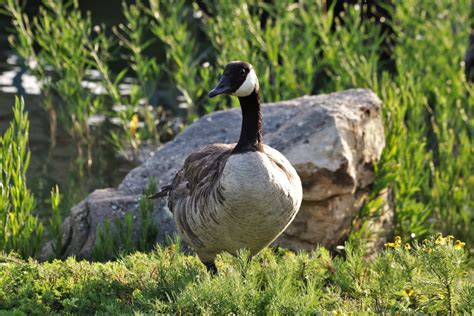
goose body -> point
(229, 197)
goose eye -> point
(242, 71)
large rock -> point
(332, 140)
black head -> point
(239, 79)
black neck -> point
(251, 132)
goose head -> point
(239, 79)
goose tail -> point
(162, 193)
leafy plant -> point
(20, 229)
(172, 24)
(61, 65)
(56, 223)
(118, 238)
(283, 51)
(148, 229)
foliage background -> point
(410, 53)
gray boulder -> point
(332, 140)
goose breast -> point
(252, 198)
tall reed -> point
(283, 50)
(186, 58)
(20, 230)
(133, 37)
(62, 61)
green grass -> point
(430, 277)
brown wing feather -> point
(200, 172)
(164, 191)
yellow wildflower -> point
(392, 245)
(398, 240)
(134, 124)
(407, 246)
(459, 244)
(396, 244)
(427, 249)
(450, 237)
(409, 291)
(439, 239)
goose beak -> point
(222, 87)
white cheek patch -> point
(246, 88)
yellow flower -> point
(427, 249)
(450, 237)
(398, 240)
(134, 124)
(391, 245)
(409, 291)
(459, 244)
(395, 244)
(407, 246)
(439, 239)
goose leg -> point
(211, 267)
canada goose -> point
(234, 196)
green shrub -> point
(284, 51)
(118, 237)
(62, 61)
(186, 58)
(429, 277)
(63, 66)
(20, 230)
(438, 101)
(130, 109)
